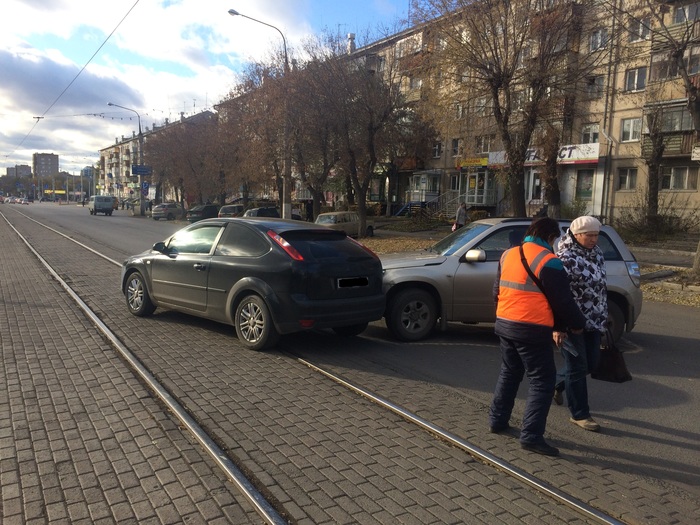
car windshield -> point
(458, 238)
(325, 219)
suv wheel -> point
(411, 315)
(616, 320)
(254, 325)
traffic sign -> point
(141, 169)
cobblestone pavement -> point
(82, 441)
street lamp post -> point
(140, 176)
(287, 167)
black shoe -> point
(499, 427)
(541, 448)
(558, 397)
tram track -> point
(587, 513)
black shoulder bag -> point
(611, 366)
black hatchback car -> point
(203, 211)
(265, 277)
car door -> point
(181, 276)
(473, 281)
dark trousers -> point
(581, 354)
(519, 358)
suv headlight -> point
(634, 273)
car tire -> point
(254, 325)
(156, 218)
(351, 330)
(138, 299)
(170, 217)
(370, 231)
(411, 315)
(616, 320)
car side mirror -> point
(160, 247)
(475, 255)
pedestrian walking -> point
(532, 298)
(585, 266)
(460, 217)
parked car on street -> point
(266, 277)
(268, 211)
(453, 280)
(347, 221)
(203, 211)
(167, 210)
(231, 210)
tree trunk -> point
(696, 261)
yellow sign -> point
(469, 162)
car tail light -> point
(291, 250)
(307, 323)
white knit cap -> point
(585, 224)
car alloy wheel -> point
(254, 325)
(137, 298)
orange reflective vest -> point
(519, 298)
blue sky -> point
(163, 58)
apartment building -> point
(606, 146)
(45, 169)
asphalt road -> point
(649, 426)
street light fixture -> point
(287, 168)
(142, 210)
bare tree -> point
(516, 61)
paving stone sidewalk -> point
(82, 441)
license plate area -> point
(353, 282)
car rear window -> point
(317, 245)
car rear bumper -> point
(326, 314)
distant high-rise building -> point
(44, 166)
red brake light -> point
(291, 251)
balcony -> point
(676, 144)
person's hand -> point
(559, 338)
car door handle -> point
(199, 267)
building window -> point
(676, 119)
(686, 13)
(631, 129)
(636, 79)
(483, 143)
(456, 147)
(589, 134)
(627, 178)
(454, 182)
(415, 83)
(482, 106)
(664, 66)
(594, 86)
(460, 110)
(598, 39)
(679, 178)
(639, 29)
(437, 149)
(584, 185)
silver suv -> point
(453, 280)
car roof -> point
(272, 223)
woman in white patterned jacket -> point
(585, 266)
